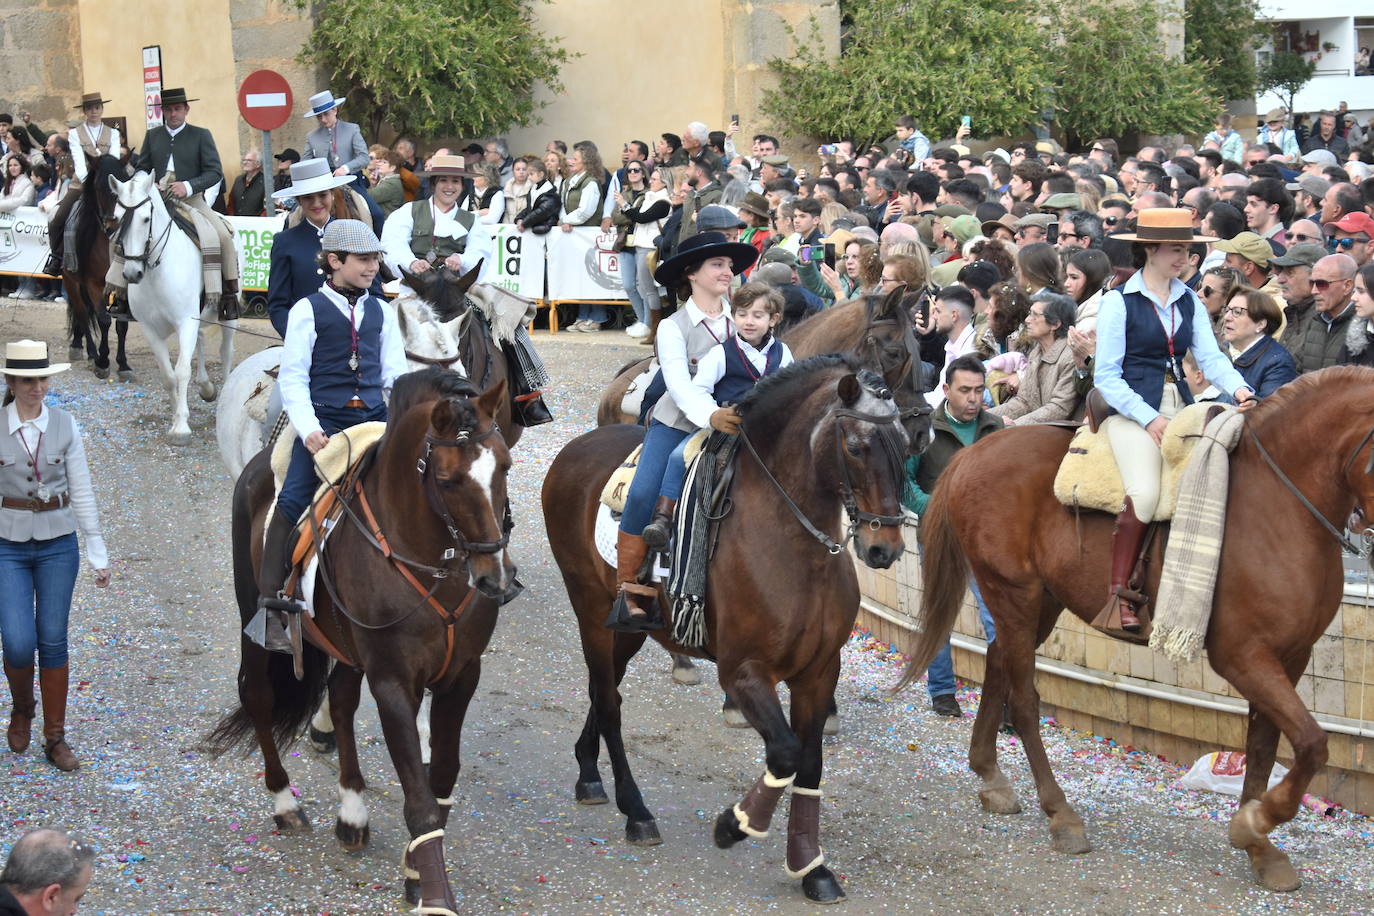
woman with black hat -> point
(1144, 329)
(701, 273)
(45, 495)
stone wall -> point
(38, 71)
(267, 35)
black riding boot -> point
(230, 304)
(659, 531)
(117, 303)
(276, 566)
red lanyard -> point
(33, 455)
(748, 366)
(706, 323)
(1169, 338)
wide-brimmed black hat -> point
(702, 247)
(173, 96)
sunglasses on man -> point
(1322, 286)
(1298, 238)
(1334, 245)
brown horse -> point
(86, 312)
(820, 434)
(1278, 586)
(877, 329)
(407, 595)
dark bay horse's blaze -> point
(437, 491)
(86, 312)
(779, 604)
(1279, 584)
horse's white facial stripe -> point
(352, 810)
(284, 801)
(482, 471)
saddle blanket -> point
(633, 400)
(607, 526)
(1088, 477)
(332, 461)
(617, 489)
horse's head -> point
(888, 346)
(136, 209)
(871, 448)
(443, 289)
(101, 193)
(463, 471)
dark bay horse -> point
(824, 433)
(1278, 586)
(407, 595)
(877, 329)
(447, 294)
(86, 312)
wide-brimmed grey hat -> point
(311, 176)
(321, 102)
(351, 236)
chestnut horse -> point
(86, 312)
(821, 434)
(1278, 586)
(407, 595)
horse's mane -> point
(779, 389)
(425, 385)
(1321, 384)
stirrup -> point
(622, 621)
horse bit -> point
(159, 246)
(856, 515)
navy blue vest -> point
(740, 374)
(1147, 347)
(332, 383)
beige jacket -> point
(1047, 390)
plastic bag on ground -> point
(1224, 772)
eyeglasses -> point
(1190, 207)
(1034, 314)
(634, 171)
(1344, 244)
(1322, 286)
(1208, 292)
(1111, 220)
(1236, 311)
(1300, 237)
(1069, 235)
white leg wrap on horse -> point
(810, 867)
(446, 802)
(352, 810)
(777, 782)
(284, 801)
(798, 790)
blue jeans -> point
(676, 472)
(629, 281)
(659, 444)
(593, 312)
(940, 674)
(36, 582)
(301, 482)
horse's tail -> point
(944, 579)
(264, 677)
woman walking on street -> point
(46, 493)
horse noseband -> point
(463, 548)
(857, 516)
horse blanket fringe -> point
(691, 551)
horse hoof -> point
(1276, 873)
(179, 439)
(688, 675)
(292, 823)
(1000, 801)
(832, 725)
(351, 838)
(821, 886)
(126, 375)
(642, 833)
(74, 354)
(727, 832)
(1071, 840)
(101, 372)
(590, 792)
(323, 742)
(734, 718)
(208, 392)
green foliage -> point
(1114, 77)
(431, 68)
(1285, 74)
(1224, 32)
(936, 60)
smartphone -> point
(1052, 233)
(830, 255)
(734, 119)
(805, 254)
(966, 121)
(828, 149)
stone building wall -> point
(38, 72)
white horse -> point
(243, 414)
(162, 266)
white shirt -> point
(496, 208)
(954, 348)
(672, 360)
(711, 370)
(400, 226)
(298, 349)
(79, 166)
(78, 478)
(171, 165)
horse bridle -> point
(462, 548)
(1346, 544)
(856, 515)
(160, 245)
(868, 343)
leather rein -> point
(869, 344)
(155, 249)
(856, 515)
(1346, 543)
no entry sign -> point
(265, 99)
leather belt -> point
(356, 404)
(36, 505)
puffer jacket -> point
(1321, 343)
(1359, 343)
(542, 215)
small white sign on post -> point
(152, 85)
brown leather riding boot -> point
(52, 683)
(654, 316)
(1126, 541)
(660, 529)
(630, 551)
(21, 715)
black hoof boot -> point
(352, 839)
(323, 742)
(292, 822)
(821, 886)
(727, 832)
(642, 833)
(590, 792)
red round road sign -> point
(265, 99)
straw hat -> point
(1164, 224)
(311, 177)
(450, 166)
(321, 102)
(30, 358)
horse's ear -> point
(490, 401)
(892, 302)
(461, 284)
(115, 184)
(850, 390)
(409, 279)
(442, 418)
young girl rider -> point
(724, 376)
(342, 352)
(700, 273)
(1144, 329)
